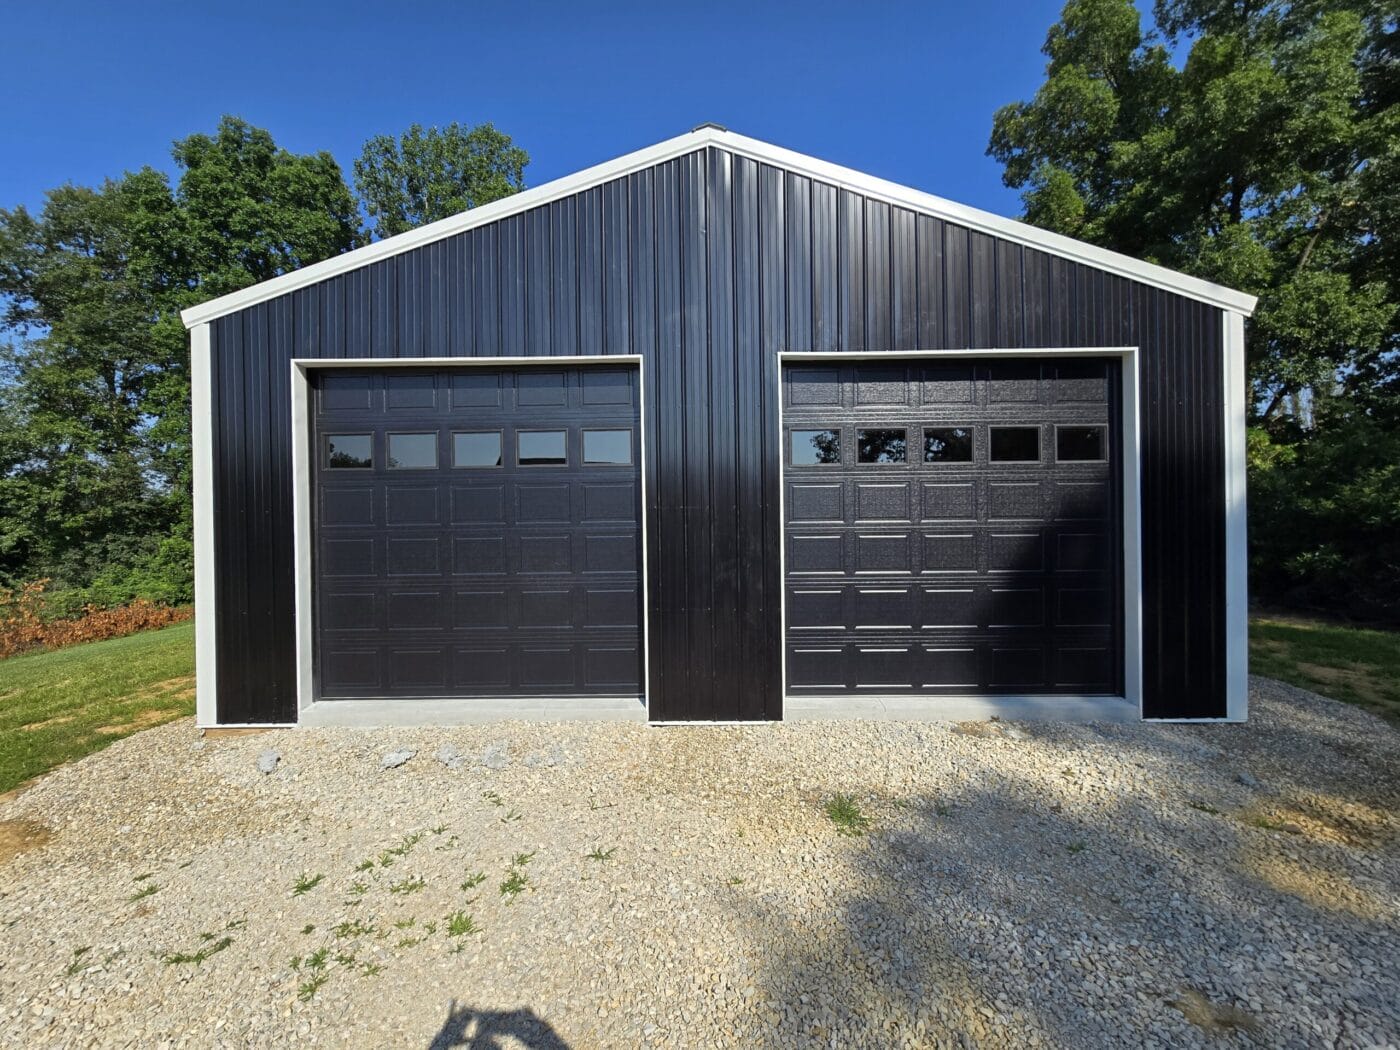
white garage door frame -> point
(440, 711)
(1128, 706)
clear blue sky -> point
(904, 91)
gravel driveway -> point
(617, 885)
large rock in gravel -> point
(394, 759)
(496, 756)
(450, 757)
(267, 761)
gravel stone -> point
(450, 757)
(621, 885)
(267, 761)
(394, 759)
(1246, 778)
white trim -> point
(206, 689)
(754, 149)
(469, 708)
(1236, 528)
(1100, 707)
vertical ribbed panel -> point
(708, 267)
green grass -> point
(846, 815)
(59, 706)
(1358, 666)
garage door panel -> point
(416, 610)
(351, 669)
(949, 607)
(476, 390)
(950, 668)
(543, 503)
(609, 502)
(815, 555)
(1017, 554)
(343, 507)
(346, 558)
(607, 553)
(481, 610)
(949, 501)
(950, 552)
(883, 552)
(478, 504)
(816, 501)
(416, 505)
(882, 501)
(412, 556)
(341, 610)
(472, 538)
(478, 555)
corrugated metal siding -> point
(708, 266)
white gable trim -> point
(763, 152)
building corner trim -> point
(205, 575)
(1236, 528)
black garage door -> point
(477, 533)
(953, 527)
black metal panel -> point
(708, 267)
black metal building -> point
(712, 432)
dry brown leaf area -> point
(24, 628)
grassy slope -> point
(61, 705)
(1360, 667)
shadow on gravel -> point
(488, 1030)
(994, 914)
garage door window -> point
(542, 448)
(477, 449)
(413, 451)
(947, 444)
(1079, 444)
(608, 447)
(880, 446)
(816, 448)
(349, 451)
(1015, 444)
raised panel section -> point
(882, 501)
(950, 552)
(949, 501)
(882, 553)
(816, 608)
(411, 506)
(603, 502)
(478, 555)
(812, 502)
(342, 507)
(536, 504)
(815, 554)
(412, 557)
(545, 554)
(478, 503)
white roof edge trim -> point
(754, 149)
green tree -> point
(1258, 145)
(94, 372)
(423, 176)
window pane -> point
(1015, 444)
(880, 446)
(948, 445)
(349, 450)
(811, 448)
(477, 450)
(538, 448)
(1079, 443)
(607, 446)
(412, 451)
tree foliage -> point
(423, 176)
(94, 361)
(1258, 145)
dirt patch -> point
(1357, 681)
(141, 720)
(181, 688)
(21, 836)
(1213, 1017)
(58, 720)
(1316, 886)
